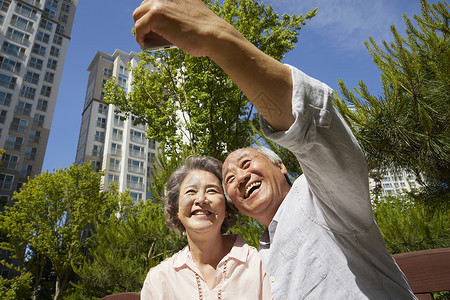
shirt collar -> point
(239, 252)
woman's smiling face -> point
(201, 203)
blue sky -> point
(330, 47)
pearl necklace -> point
(199, 286)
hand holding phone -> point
(155, 42)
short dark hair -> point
(205, 163)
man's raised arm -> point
(194, 28)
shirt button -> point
(272, 279)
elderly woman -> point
(212, 265)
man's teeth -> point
(251, 187)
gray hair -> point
(205, 163)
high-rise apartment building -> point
(34, 38)
(107, 139)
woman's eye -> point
(212, 191)
(191, 191)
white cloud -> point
(346, 24)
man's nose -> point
(243, 177)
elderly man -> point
(321, 240)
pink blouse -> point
(239, 275)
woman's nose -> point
(201, 198)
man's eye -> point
(246, 164)
(229, 180)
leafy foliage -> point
(122, 254)
(407, 127)
(407, 223)
(49, 216)
(190, 101)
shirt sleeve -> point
(330, 157)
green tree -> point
(407, 127)
(407, 224)
(49, 216)
(122, 254)
(189, 102)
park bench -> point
(427, 271)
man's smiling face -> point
(255, 184)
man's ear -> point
(282, 167)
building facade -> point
(107, 139)
(34, 38)
(395, 184)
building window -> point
(117, 134)
(25, 11)
(34, 136)
(19, 125)
(23, 108)
(57, 40)
(46, 90)
(8, 81)
(99, 136)
(42, 105)
(35, 63)
(22, 23)
(28, 92)
(49, 77)
(52, 64)
(14, 142)
(63, 18)
(137, 151)
(52, 3)
(135, 182)
(32, 77)
(107, 72)
(114, 164)
(43, 37)
(9, 65)
(151, 144)
(137, 136)
(46, 25)
(13, 49)
(30, 153)
(39, 50)
(101, 122)
(5, 98)
(54, 51)
(18, 36)
(25, 171)
(135, 196)
(113, 178)
(135, 166)
(116, 149)
(49, 13)
(4, 5)
(6, 181)
(118, 120)
(151, 157)
(102, 109)
(97, 151)
(3, 114)
(38, 120)
(10, 161)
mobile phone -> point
(154, 42)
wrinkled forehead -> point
(235, 157)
